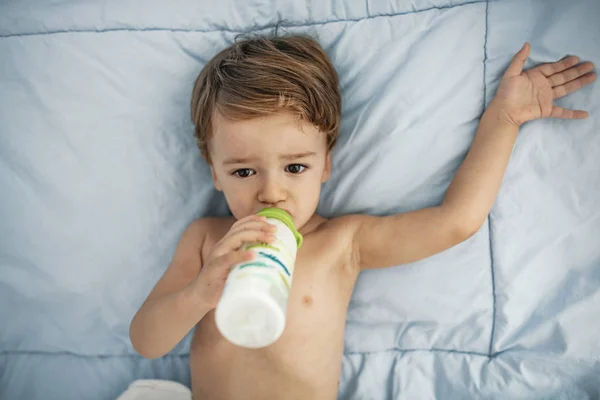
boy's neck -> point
(312, 224)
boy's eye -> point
(243, 173)
(296, 168)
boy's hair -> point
(260, 76)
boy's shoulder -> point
(208, 223)
(212, 229)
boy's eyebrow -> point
(281, 157)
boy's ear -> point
(215, 180)
(327, 169)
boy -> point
(267, 115)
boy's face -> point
(274, 161)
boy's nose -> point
(271, 193)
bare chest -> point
(323, 279)
(322, 284)
(309, 352)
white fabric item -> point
(156, 389)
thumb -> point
(518, 62)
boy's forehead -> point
(278, 132)
(282, 121)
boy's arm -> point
(170, 310)
(404, 238)
(521, 97)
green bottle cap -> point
(283, 216)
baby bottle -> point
(251, 311)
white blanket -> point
(156, 389)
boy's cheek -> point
(238, 210)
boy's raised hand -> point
(527, 95)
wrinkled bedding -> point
(99, 176)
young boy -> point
(267, 114)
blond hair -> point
(264, 75)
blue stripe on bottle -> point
(272, 257)
(255, 264)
